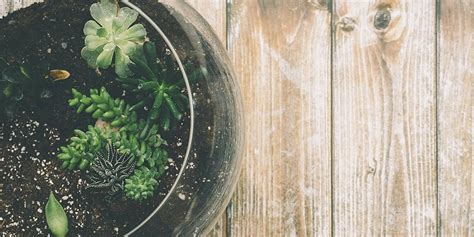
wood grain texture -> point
(384, 119)
(401, 128)
(7, 6)
(281, 52)
(455, 112)
(214, 11)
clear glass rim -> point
(191, 111)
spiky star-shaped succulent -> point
(111, 33)
(109, 171)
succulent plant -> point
(159, 86)
(123, 134)
(56, 217)
(148, 150)
(102, 106)
(141, 184)
(126, 132)
(112, 34)
(138, 137)
(109, 170)
(83, 147)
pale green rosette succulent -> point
(110, 34)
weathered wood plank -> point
(7, 6)
(384, 117)
(455, 112)
(214, 11)
(281, 52)
(384, 163)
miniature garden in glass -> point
(115, 119)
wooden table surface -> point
(358, 115)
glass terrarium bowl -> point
(208, 162)
(206, 184)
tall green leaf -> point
(56, 217)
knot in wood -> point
(382, 19)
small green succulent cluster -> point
(102, 106)
(139, 138)
(83, 147)
(110, 34)
(141, 185)
(144, 144)
(158, 86)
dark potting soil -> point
(52, 32)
